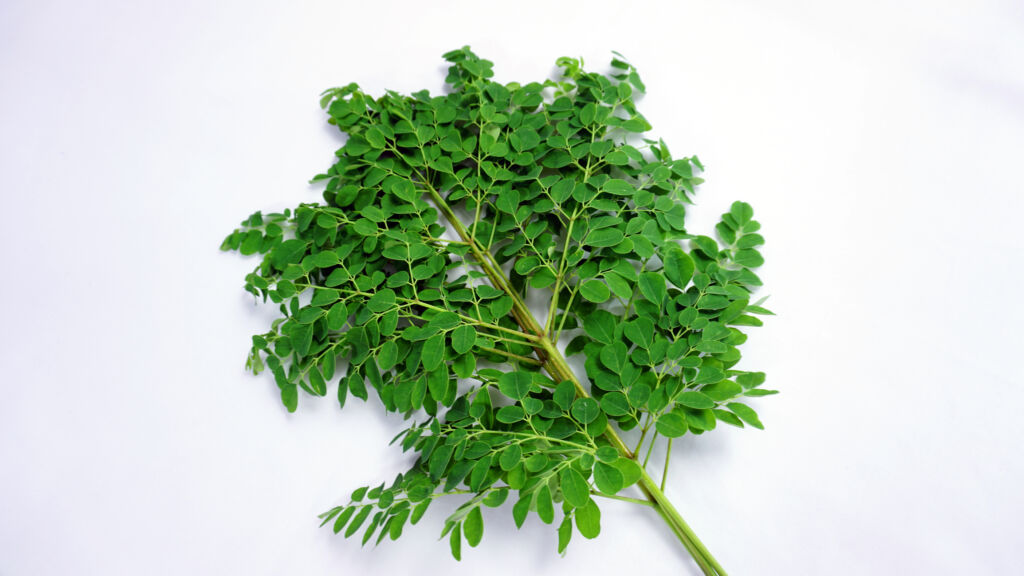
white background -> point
(880, 143)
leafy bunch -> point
(441, 218)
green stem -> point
(700, 553)
(623, 498)
(650, 448)
(643, 433)
(555, 364)
(549, 322)
(533, 361)
(668, 455)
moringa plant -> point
(441, 219)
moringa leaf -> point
(574, 487)
(448, 221)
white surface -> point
(880, 144)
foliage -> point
(442, 215)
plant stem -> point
(650, 448)
(664, 473)
(700, 553)
(555, 364)
(533, 361)
(623, 498)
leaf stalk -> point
(555, 364)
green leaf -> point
(342, 392)
(496, 498)
(750, 379)
(709, 374)
(678, 265)
(746, 413)
(615, 357)
(510, 457)
(251, 242)
(693, 399)
(324, 259)
(652, 286)
(439, 460)
(584, 410)
(604, 237)
(638, 395)
(617, 157)
(607, 454)
(750, 241)
(728, 418)
(433, 352)
(600, 325)
(594, 291)
(515, 385)
(357, 386)
(375, 137)
(629, 469)
(302, 338)
(309, 315)
(615, 404)
(290, 397)
(640, 332)
(387, 355)
(336, 316)
(444, 321)
(357, 521)
(288, 252)
(343, 518)
(588, 520)
(545, 508)
(473, 527)
(419, 510)
(618, 285)
(618, 187)
(607, 478)
(741, 212)
(510, 414)
(316, 381)
(564, 534)
(521, 508)
(671, 424)
(748, 258)
(397, 523)
(382, 301)
(574, 487)
(455, 541)
(564, 395)
(700, 419)
(723, 390)
(463, 338)
(365, 227)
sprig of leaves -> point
(439, 218)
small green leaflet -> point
(433, 352)
(608, 478)
(600, 326)
(473, 527)
(594, 291)
(671, 424)
(585, 410)
(463, 338)
(588, 520)
(574, 487)
(515, 384)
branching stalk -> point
(555, 364)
